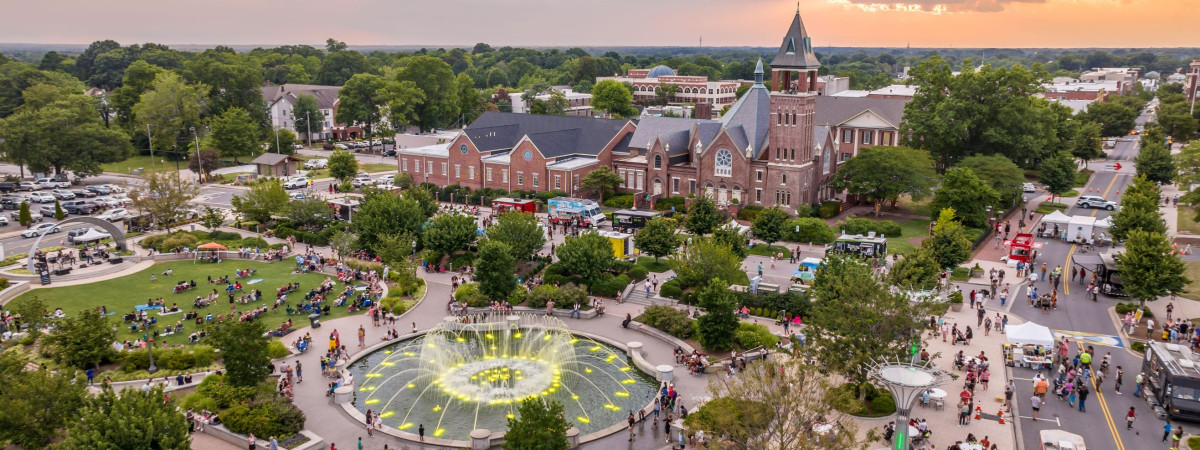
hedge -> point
(749, 212)
(665, 204)
(671, 289)
(672, 321)
(610, 286)
(811, 229)
(265, 416)
(829, 210)
(861, 225)
(276, 350)
(619, 201)
(638, 273)
(171, 359)
(752, 335)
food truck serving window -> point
(1182, 393)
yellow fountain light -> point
(371, 401)
(437, 408)
(410, 386)
(387, 364)
(622, 394)
(587, 370)
(551, 390)
(595, 349)
(625, 369)
(387, 414)
(459, 339)
(573, 341)
(489, 336)
(546, 337)
(510, 415)
(574, 397)
(582, 419)
(628, 381)
(439, 432)
(387, 352)
(406, 425)
(374, 375)
(517, 336)
(610, 358)
(408, 353)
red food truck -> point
(508, 204)
(1022, 248)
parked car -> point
(3, 221)
(50, 183)
(33, 214)
(362, 181)
(83, 193)
(295, 183)
(122, 199)
(390, 152)
(12, 201)
(114, 214)
(100, 189)
(48, 211)
(298, 146)
(45, 228)
(63, 194)
(386, 179)
(116, 189)
(76, 233)
(296, 196)
(316, 164)
(41, 197)
(28, 186)
(340, 146)
(80, 207)
(8, 187)
(1029, 187)
(107, 202)
(1091, 201)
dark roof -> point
(835, 110)
(272, 159)
(796, 50)
(675, 132)
(820, 134)
(500, 131)
(660, 71)
(326, 96)
(623, 144)
(748, 120)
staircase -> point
(639, 297)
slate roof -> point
(748, 120)
(673, 131)
(272, 159)
(820, 133)
(326, 96)
(835, 110)
(796, 50)
(553, 135)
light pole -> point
(906, 380)
(277, 149)
(308, 127)
(199, 161)
(150, 351)
(414, 246)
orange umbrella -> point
(212, 246)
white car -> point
(362, 181)
(28, 186)
(316, 164)
(1028, 187)
(340, 146)
(114, 215)
(63, 194)
(34, 215)
(107, 202)
(386, 179)
(50, 183)
(295, 183)
(42, 197)
(115, 189)
(45, 228)
(1091, 201)
(122, 199)
(297, 196)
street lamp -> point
(150, 351)
(308, 127)
(277, 149)
(199, 162)
(414, 246)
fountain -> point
(459, 377)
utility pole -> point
(308, 125)
(277, 149)
(150, 140)
(199, 161)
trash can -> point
(315, 320)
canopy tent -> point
(211, 246)
(1029, 333)
(1056, 217)
(1080, 228)
(92, 234)
(1104, 223)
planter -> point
(956, 306)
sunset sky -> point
(921, 23)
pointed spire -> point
(758, 73)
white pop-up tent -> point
(92, 234)
(1029, 333)
(1080, 227)
(1056, 217)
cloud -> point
(931, 6)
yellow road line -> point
(1067, 263)
(1112, 427)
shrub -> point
(469, 293)
(811, 229)
(518, 295)
(224, 236)
(665, 204)
(253, 242)
(862, 225)
(879, 402)
(171, 359)
(752, 335)
(541, 295)
(28, 340)
(671, 289)
(670, 320)
(1124, 308)
(750, 212)
(277, 350)
(272, 416)
(619, 201)
(198, 402)
(829, 210)
(459, 260)
(610, 286)
(638, 273)
(224, 394)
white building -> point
(282, 98)
(578, 103)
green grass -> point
(1049, 207)
(1185, 222)
(651, 265)
(1192, 272)
(160, 163)
(1194, 442)
(960, 274)
(908, 229)
(1082, 177)
(371, 168)
(764, 250)
(917, 207)
(120, 295)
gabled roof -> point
(673, 131)
(835, 110)
(820, 134)
(495, 131)
(326, 96)
(748, 120)
(796, 50)
(272, 159)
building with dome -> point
(692, 89)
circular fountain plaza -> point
(459, 377)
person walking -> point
(631, 421)
(1119, 379)
(362, 337)
(1129, 418)
(1036, 403)
(1137, 390)
(1083, 395)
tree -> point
(602, 181)
(82, 340)
(163, 196)
(37, 403)
(809, 229)
(383, 213)
(425, 200)
(139, 78)
(307, 115)
(1154, 159)
(396, 249)
(1150, 268)
(612, 97)
(57, 129)
(310, 214)
(282, 140)
(587, 255)
(773, 404)
(998, 172)
(1177, 121)
(494, 269)
(730, 236)
(24, 217)
(770, 225)
(1188, 164)
(703, 216)
(342, 165)
(244, 351)
(449, 233)
(59, 214)
(705, 259)
(172, 108)
(361, 102)
(657, 238)
(916, 271)
(235, 134)
(470, 102)
(1139, 210)
(135, 419)
(212, 218)
(538, 425)
(401, 98)
(436, 79)
(265, 199)
(342, 242)
(665, 92)
(333, 45)
(1114, 118)
(1087, 144)
(520, 232)
(969, 196)
(208, 161)
(885, 173)
(849, 302)
(1058, 173)
(557, 104)
(949, 244)
(719, 321)
(339, 66)
(31, 310)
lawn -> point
(1185, 222)
(159, 163)
(1192, 272)
(908, 229)
(651, 265)
(324, 173)
(120, 295)
(1049, 207)
(764, 250)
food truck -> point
(505, 204)
(622, 244)
(631, 220)
(1022, 248)
(1173, 385)
(343, 208)
(1108, 280)
(869, 245)
(587, 212)
(807, 270)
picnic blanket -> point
(255, 281)
(147, 307)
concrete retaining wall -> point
(15, 289)
(222, 433)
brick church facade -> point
(766, 150)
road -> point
(1103, 425)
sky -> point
(841, 23)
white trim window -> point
(470, 172)
(723, 163)
(535, 179)
(487, 173)
(443, 168)
(867, 137)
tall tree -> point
(37, 403)
(1177, 121)
(1139, 210)
(949, 244)
(82, 340)
(342, 165)
(310, 214)
(307, 116)
(1150, 268)
(613, 97)
(587, 255)
(204, 162)
(164, 196)
(1188, 164)
(770, 225)
(883, 174)
(916, 270)
(657, 238)
(1087, 144)
(448, 233)
(1114, 118)
(719, 321)
(384, 214)
(402, 98)
(59, 130)
(601, 181)
(139, 78)
(470, 102)
(265, 199)
(1058, 173)
(1154, 159)
(281, 140)
(494, 269)
(339, 66)
(998, 172)
(235, 134)
(172, 108)
(969, 196)
(361, 102)
(538, 425)
(244, 351)
(520, 232)
(705, 259)
(234, 81)
(134, 419)
(435, 78)
(703, 216)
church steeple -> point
(794, 68)
(758, 73)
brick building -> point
(1192, 83)
(281, 99)
(692, 89)
(765, 150)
